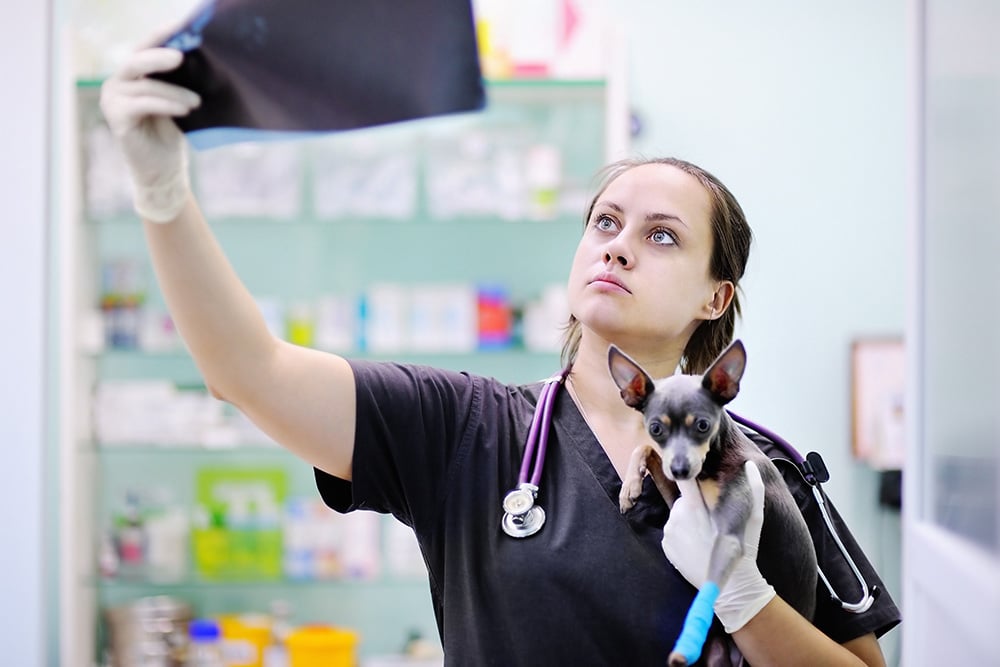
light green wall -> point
(802, 109)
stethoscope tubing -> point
(867, 597)
(543, 440)
(540, 422)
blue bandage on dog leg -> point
(697, 623)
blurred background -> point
(859, 138)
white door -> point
(951, 543)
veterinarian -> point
(656, 272)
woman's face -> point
(640, 275)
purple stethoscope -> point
(523, 517)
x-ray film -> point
(268, 66)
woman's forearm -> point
(215, 314)
(304, 399)
(779, 635)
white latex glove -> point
(139, 111)
(687, 541)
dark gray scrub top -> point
(439, 450)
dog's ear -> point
(635, 383)
(722, 379)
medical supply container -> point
(322, 646)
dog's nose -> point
(680, 469)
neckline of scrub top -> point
(650, 510)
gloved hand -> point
(687, 541)
(139, 110)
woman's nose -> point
(619, 250)
(615, 257)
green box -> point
(240, 536)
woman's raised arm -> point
(302, 398)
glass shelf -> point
(524, 82)
(123, 355)
(383, 610)
(514, 365)
(185, 449)
(480, 224)
(195, 583)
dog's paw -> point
(631, 488)
(677, 660)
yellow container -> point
(245, 636)
(322, 646)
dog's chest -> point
(709, 489)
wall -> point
(23, 189)
(801, 111)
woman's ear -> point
(721, 298)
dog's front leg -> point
(666, 486)
(730, 517)
(643, 459)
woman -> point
(656, 272)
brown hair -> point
(731, 238)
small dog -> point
(697, 444)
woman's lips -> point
(609, 282)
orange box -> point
(322, 646)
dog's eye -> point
(655, 429)
(702, 425)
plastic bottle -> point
(276, 654)
(205, 647)
(107, 559)
(131, 533)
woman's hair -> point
(731, 238)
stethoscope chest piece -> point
(521, 516)
(520, 500)
(523, 525)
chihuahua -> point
(698, 448)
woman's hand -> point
(688, 539)
(140, 112)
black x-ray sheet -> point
(324, 65)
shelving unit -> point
(303, 256)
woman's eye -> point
(655, 429)
(604, 223)
(702, 425)
(662, 237)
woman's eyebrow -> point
(651, 217)
(609, 204)
(664, 217)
